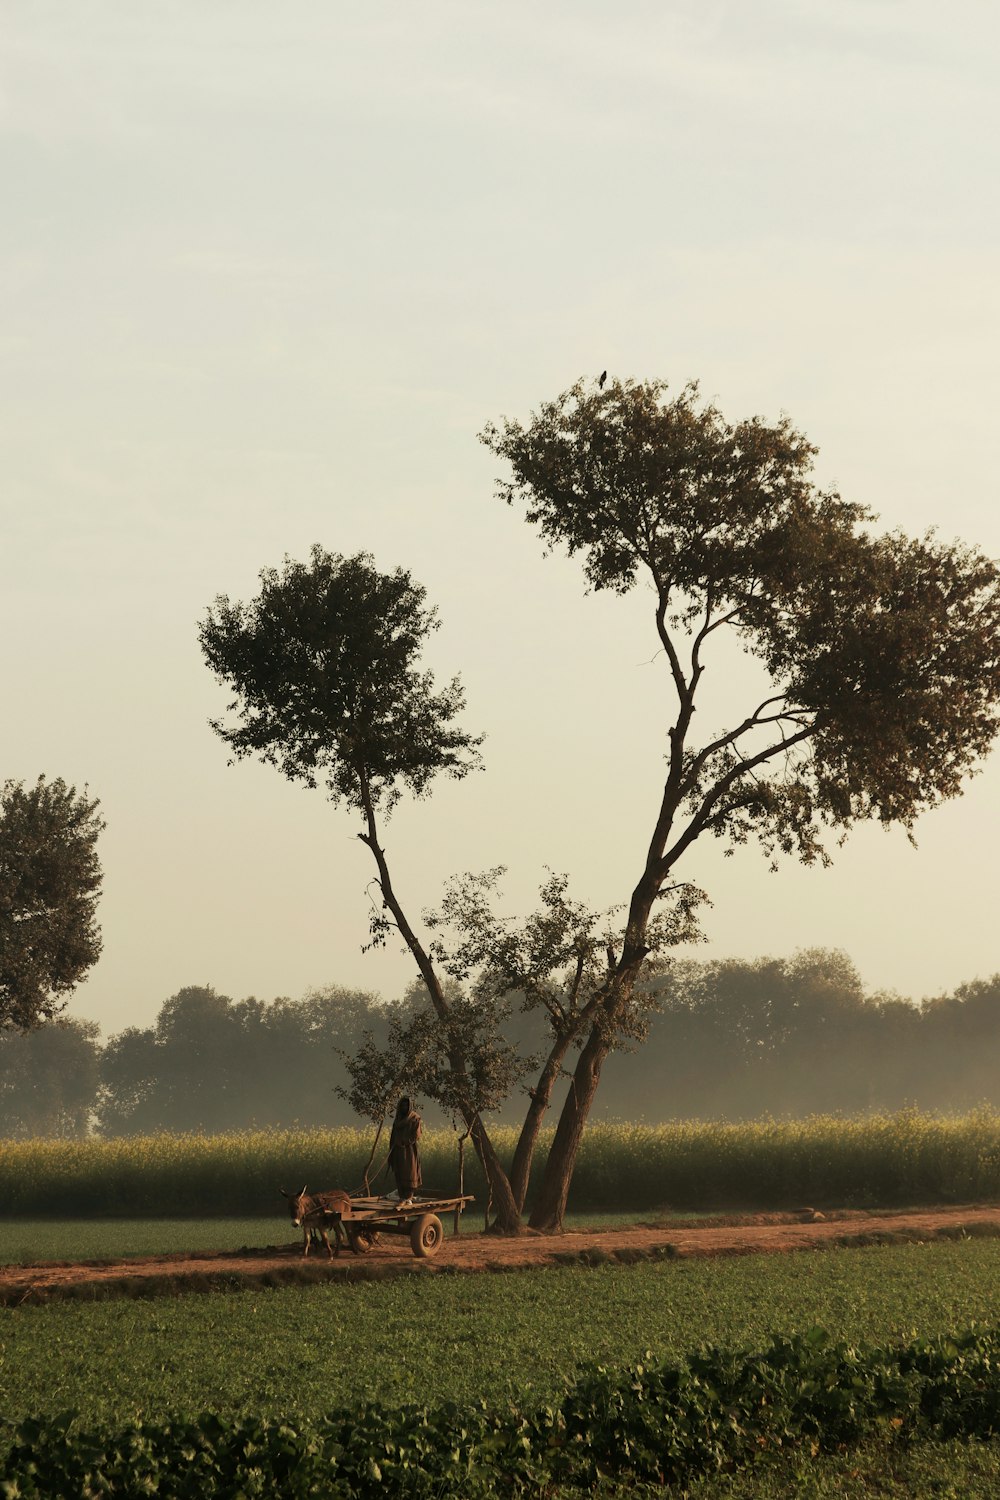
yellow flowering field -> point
(883, 1159)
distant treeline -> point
(729, 1040)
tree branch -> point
(680, 684)
(702, 817)
(754, 721)
(406, 932)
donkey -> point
(315, 1213)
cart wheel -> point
(426, 1236)
(362, 1240)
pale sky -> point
(267, 271)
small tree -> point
(379, 1075)
(559, 962)
(50, 882)
(883, 653)
(417, 1057)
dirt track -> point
(472, 1252)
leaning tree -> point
(882, 652)
(50, 884)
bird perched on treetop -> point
(603, 378)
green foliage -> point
(469, 1065)
(324, 668)
(419, 1051)
(634, 482)
(880, 1468)
(883, 652)
(379, 1074)
(515, 1337)
(561, 959)
(424, 1454)
(656, 1422)
(50, 882)
(659, 1421)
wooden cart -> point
(420, 1219)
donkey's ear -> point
(283, 1193)
(303, 1192)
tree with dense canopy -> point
(50, 883)
(882, 656)
(882, 652)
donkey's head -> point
(298, 1205)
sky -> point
(267, 271)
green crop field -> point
(874, 1471)
(877, 1469)
(461, 1337)
(300, 1352)
(23, 1241)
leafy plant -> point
(655, 1422)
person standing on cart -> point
(404, 1152)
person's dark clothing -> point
(404, 1154)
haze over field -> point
(267, 272)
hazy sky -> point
(267, 270)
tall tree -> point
(325, 667)
(50, 882)
(882, 651)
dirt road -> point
(472, 1252)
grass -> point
(299, 1351)
(875, 1470)
(24, 1241)
(890, 1471)
(303, 1351)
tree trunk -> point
(508, 1217)
(541, 1095)
(508, 1214)
(549, 1211)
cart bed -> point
(378, 1210)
